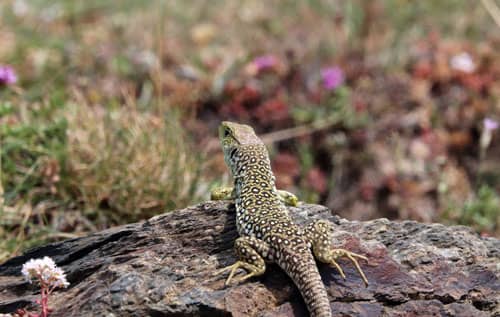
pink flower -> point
(332, 77)
(490, 124)
(261, 63)
(264, 62)
(7, 75)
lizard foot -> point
(249, 250)
(319, 234)
(254, 271)
(335, 254)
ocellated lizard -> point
(266, 231)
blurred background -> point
(109, 109)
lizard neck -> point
(251, 169)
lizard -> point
(266, 231)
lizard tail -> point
(303, 271)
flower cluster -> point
(49, 276)
(46, 272)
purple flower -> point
(264, 61)
(7, 75)
(332, 77)
(490, 124)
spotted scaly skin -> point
(267, 233)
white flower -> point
(463, 62)
(20, 8)
(45, 271)
(59, 278)
(37, 267)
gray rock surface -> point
(164, 267)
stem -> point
(297, 131)
(493, 10)
(45, 301)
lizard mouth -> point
(232, 153)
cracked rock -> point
(165, 267)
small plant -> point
(482, 212)
(49, 276)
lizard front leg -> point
(288, 198)
(319, 234)
(227, 193)
(250, 252)
(222, 193)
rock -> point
(165, 267)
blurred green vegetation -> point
(482, 212)
(101, 131)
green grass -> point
(26, 148)
(483, 211)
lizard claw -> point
(233, 268)
(338, 253)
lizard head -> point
(235, 137)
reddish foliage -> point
(317, 180)
(286, 168)
(422, 69)
(475, 82)
(240, 101)
(459, 140)
(360, 105)
(272, 111)
(367, 191)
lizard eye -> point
(227, 133)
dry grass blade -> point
(492, 9)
